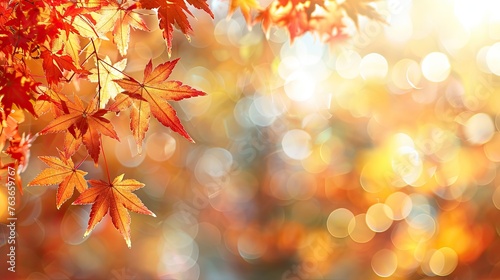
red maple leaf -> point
(152, 95)
(5, 12)
(54, 64)
(9, 126)
(172, 13)
(16, 88)
(86, 124)
(23, 30)
(19, 150)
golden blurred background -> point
(374, 157)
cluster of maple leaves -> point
(65, 36)
(324, 18)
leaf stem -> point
(99, 87)
(81, 162)
(125, 74)
(84, 61)
(105, 161)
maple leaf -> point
(85, 26)
(118, 19)
(245, 6)
(61, 17)
(24, 28)
(294, 17)
(172, 13)
(16, 88)
(19, 149)
(139, 121)
(70, 43)
(85, 123)
(9, 126)
(354, 8)
(113, 197)
(266, 19)
(5, 12)
(152, 95)
(121, 102)
(50, 101)
(293, 3)
(328, 22)
(71, 144)
(61, 171)
(105, 74)
(297, 23)
(313, 4)
(323, 18)
(53, 73)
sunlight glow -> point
(472, 13)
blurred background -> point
(373, 157)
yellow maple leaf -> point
(119, 19)
(105, 73)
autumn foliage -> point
(64, 37)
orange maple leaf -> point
(115, 197)
(245, 7)
(86, 124)
(292, 16)
(61, 171)
(172, 13)
(152, 95)
(322, 18)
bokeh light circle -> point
(436, 67)
(496, 198)
(443, 261)
(479, 129)
(251, 246)
(406, 74)
(407, 164)
(297, 144)
(359, 231)
(379, 217)
(214, 163)
(160, 146)
(423, 227)
(373, 66)
(493, 59)
(384, 263)
(127, 153)
(338, 222)
(347, 64)
(400, 204)
(300, 86)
